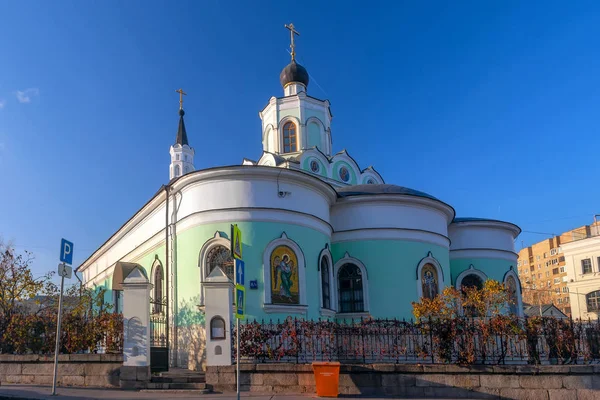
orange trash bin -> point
(327, 378)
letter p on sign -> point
(66, 251)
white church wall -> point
(402, 217)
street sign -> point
(65, 271)
(66, 251)
(254, 284)
(239, 272)
(240, 301)
(236, 242)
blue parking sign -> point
(66, 251)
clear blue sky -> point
(490, 106)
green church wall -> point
(392, 272)
(494, 268)
(255, 237)
(314, 135)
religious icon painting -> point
(344, 174)
(429, 280)
(284, 276)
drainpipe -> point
(167, 187)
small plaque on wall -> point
(254, 284)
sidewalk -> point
(43, 392)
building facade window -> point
(177, 170)
(290, 138)
(158, 276)
(220, 256)
(217, 328)
(350, 287)
(513, 296)
(325, 284)
(586, 266)
(593, 301)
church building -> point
(322, 237)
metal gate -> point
(159, 345)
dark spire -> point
(181, 134)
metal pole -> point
(237, 339)
(62, 284)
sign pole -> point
(237, 338)
(62, 284)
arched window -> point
(350, 286)
(290, 138)
(472, 280)
(217, 328)
(325, 288)
(157, 303)
(177, 170)
(429, 281)
(593, 301)
(220, 256)
(513, 296)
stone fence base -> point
(99, 370)
(576, 382)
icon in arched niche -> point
(284, 276)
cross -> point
(181, 94)
(293, 32)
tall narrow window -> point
(351, 289)
(158, 290)
(220, 256)
(586, 266)
(593, 301)
(177, 170)
(511, 287)
(290, 142)
(429, 281)
(325, 283)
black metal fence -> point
(499, 340)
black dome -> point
(294, 72)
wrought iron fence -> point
(498, 340)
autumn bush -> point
(29, 306)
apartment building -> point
(583, 271)
(543, 271)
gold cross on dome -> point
(293, 32)
(181, 94)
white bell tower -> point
(182, 155)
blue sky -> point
(489, 106)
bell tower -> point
(295, 122)
(182, 155)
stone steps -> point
(177, 386)
(179, 380)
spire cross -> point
(293, 32)
(181, 94)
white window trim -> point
(327, 312)
(469, 271)
(301, 308)
(429, 259)
(217, 240)
(347, 259)
(512, 273)
(299, 134)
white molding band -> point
(484, 253)
(390, 234)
